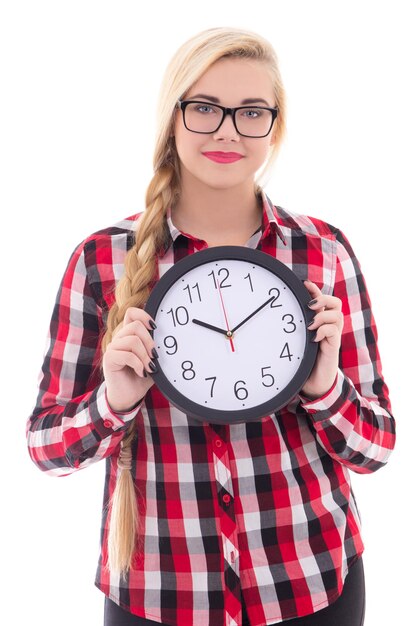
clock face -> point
(231, 334)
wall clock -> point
(231, 334)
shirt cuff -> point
(329, 403)
(112, 419)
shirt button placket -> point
(228, 529)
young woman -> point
(252, 523)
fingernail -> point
(152, 366)
(311, 323)
(312, 302)
(152, 324)
(154, 353)
(314, 338)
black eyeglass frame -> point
(182, 104)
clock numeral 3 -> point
(173, 345)
(290, 322)
(272, 305)
(241, 390)
(187, 369)
(180, 315)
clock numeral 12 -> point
(222, 269)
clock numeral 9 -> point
(187, 369)
(173, 345)
(267, 375)
(222, 269)
(272, 305)
(241, 390)
(176, 315)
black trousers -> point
(347, 610)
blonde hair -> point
(189, 63)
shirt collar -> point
(270, 221)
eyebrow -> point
(213, 99)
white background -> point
(79, 83)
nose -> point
(227, 129)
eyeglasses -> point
(203, 117)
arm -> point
(72, 424)
(353, 420)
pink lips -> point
(223, 157)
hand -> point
(252, 314)
(127, 360)
(219, 330)
(329, 324)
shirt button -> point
(108, 423)
(226, 498)
(219, 443)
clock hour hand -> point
(252, 314)
(210, 326)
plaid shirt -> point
(262, 508)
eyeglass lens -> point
(205, 118)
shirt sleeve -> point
(72, 424)
(353, 420)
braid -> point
(132, 291)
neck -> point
(206, 211)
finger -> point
(135, 313)
(329, 302)
(137, 329)
(132, 344)
(312, 288)
(327, 317)
(118, 359)
(330, 332)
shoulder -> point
(110, 243)
(294, 224)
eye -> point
(198, 107)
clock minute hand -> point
(252, 314)
(210, 326)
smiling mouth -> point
(223, 157)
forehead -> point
(234, 80)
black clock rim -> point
(277, 267)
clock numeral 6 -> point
(187, 369)
(241, 390)
(180, 315)
(267, 367)
(173, 345)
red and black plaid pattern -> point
(265, 508)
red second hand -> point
(225, 317)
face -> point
(231, 81)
